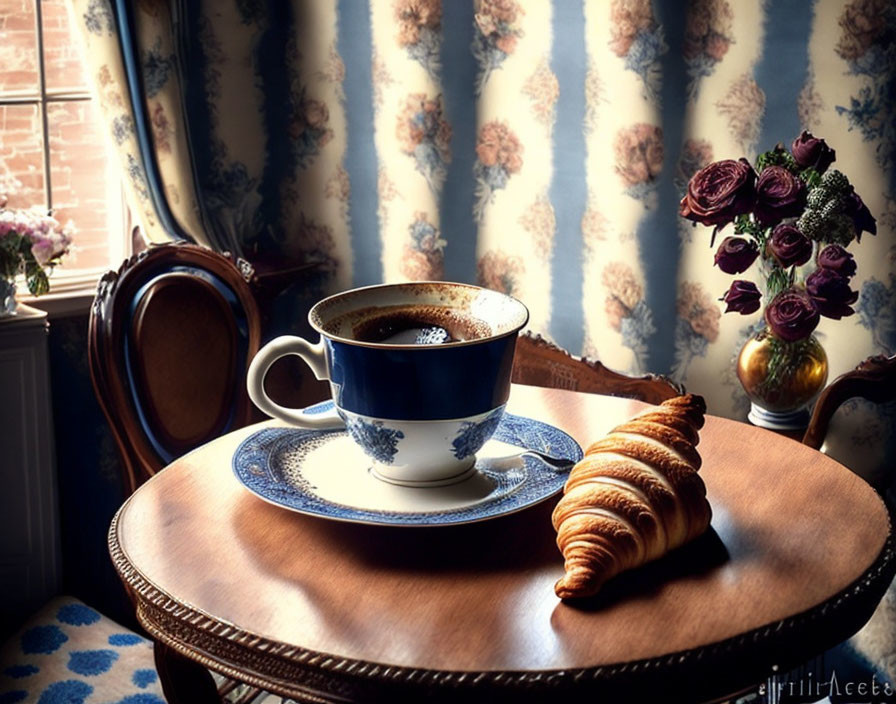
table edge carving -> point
(293, 670)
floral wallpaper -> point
(538, 148)
(419, 31)
(499, 155)
(497, 29)
(424, 134)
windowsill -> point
(68, 296)
(60, 305)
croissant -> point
(634, 496)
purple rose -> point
(811, 151)
(837, 259)
(742, 297)
(861, 217)
(735, 255)
(831, 293)
(789, 246)
(719, 192)
(792, 315)
(779, 195)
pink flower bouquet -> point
(31, 244)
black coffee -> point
(418, 325)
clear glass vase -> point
(7, 297)
(781, 379)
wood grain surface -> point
(791, 529)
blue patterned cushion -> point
(876, 641)
(68, 653)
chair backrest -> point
(846, 437)
(171, 335)
(541, 363)
(874, 379)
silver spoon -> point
(505, 463)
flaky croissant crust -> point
(634, 496)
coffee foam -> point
(377, 323)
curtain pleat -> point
(513, 204)
(723, 108)
(412, 137)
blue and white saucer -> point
(324, 473)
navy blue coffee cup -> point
(419, 373)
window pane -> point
(18, 48)
(63, 63)
(21, 154)
(85, 184)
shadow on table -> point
(519, 541)
(697, 557)
(516, 541)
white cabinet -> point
(30, 562)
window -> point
(52, 138)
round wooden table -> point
(799, 553)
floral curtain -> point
(539, 148)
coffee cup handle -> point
(315, 357)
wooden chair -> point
(539, 362)
(171, 335)
(873, 379)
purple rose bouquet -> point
(31, 243)
(794, 215)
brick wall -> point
(63, 62)
(18, 52)
(84, 177)
(21, 152)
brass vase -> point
(781, 379)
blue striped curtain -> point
(539, 148)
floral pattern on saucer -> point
(278, 465)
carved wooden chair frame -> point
(122, 296)
(539, 362)
(874, 379)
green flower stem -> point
(35, 276)
(784, 361)
(17, 258)
(778, 280)
(745, 225)
(10, 258)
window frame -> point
(71, 290)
